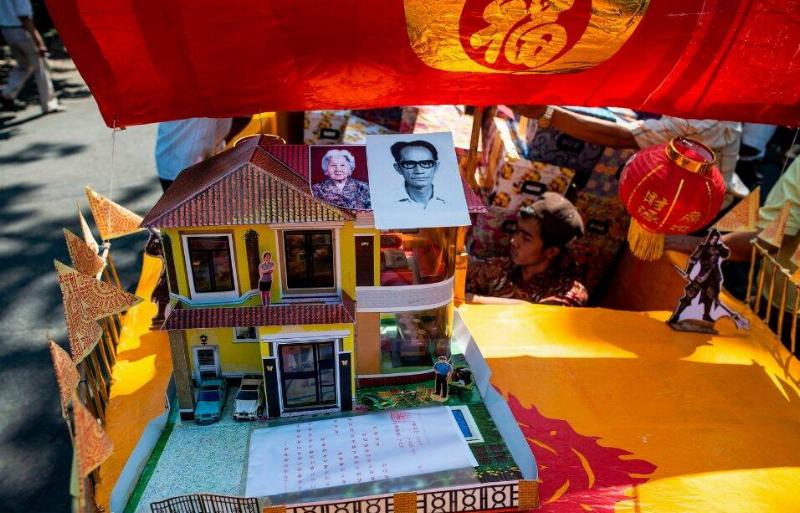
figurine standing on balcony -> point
(265, 269)
(442, 369)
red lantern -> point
(673, 188)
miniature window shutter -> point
(170, 262)
(251, 244)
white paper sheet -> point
(352, 450)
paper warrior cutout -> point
(112, 220)
(87, 300)
(700, 306)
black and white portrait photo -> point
(414, 181)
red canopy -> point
(149, 60)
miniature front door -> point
(206, 362)
(308, 375)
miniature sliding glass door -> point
(307, 375)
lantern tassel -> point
(645, 244)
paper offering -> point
(354, 450)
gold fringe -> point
(645, 244)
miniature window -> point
(211, 263)
(245, 334)
(415, 257)
(308, 257)
(411, 341)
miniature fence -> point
(777, 288)
(505, 496)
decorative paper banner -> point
(83, 258)
(87, 300)
(92, 445)
(112, 220)
(88, 238)
(742, 217)
(66, 375)
(773, 233)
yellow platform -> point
(625, 414)
(139, 381)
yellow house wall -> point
(234, 357)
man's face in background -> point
(417, 166)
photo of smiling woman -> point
(340, 187)
(415, 181)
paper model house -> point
(349, 304)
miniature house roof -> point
(287, 314)
(243, 185)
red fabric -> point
(148, 61)
(665, 198)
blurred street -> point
(45, 162)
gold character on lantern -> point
(655, 201)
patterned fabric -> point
(743, 217)
(498, 277)
(358, 129)
(324, 126)
(87, 233)
(354, 195)
(112, 220)
(83, 258)
(86, 300)
(444, 118)
(552, 146)
(603, 180)
(522, 182)
(491, 232)
(92, 445)
(606, 228)
(391, 118)
(500, 144)
(66, 375)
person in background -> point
(537, 270)
(28, 48)
(724, 137)
(184, 143)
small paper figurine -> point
(442, 369)
(700, 306)
(160, 295)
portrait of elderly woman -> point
(339, 188)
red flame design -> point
(577, 473)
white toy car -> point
(249, 401)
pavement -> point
(45, 162)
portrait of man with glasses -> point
(416, 182)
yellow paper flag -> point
(112, 220)
(744, 216)
(773, 233)
(87, 300)
(66, 375)
(92, 445)
(83, 258)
